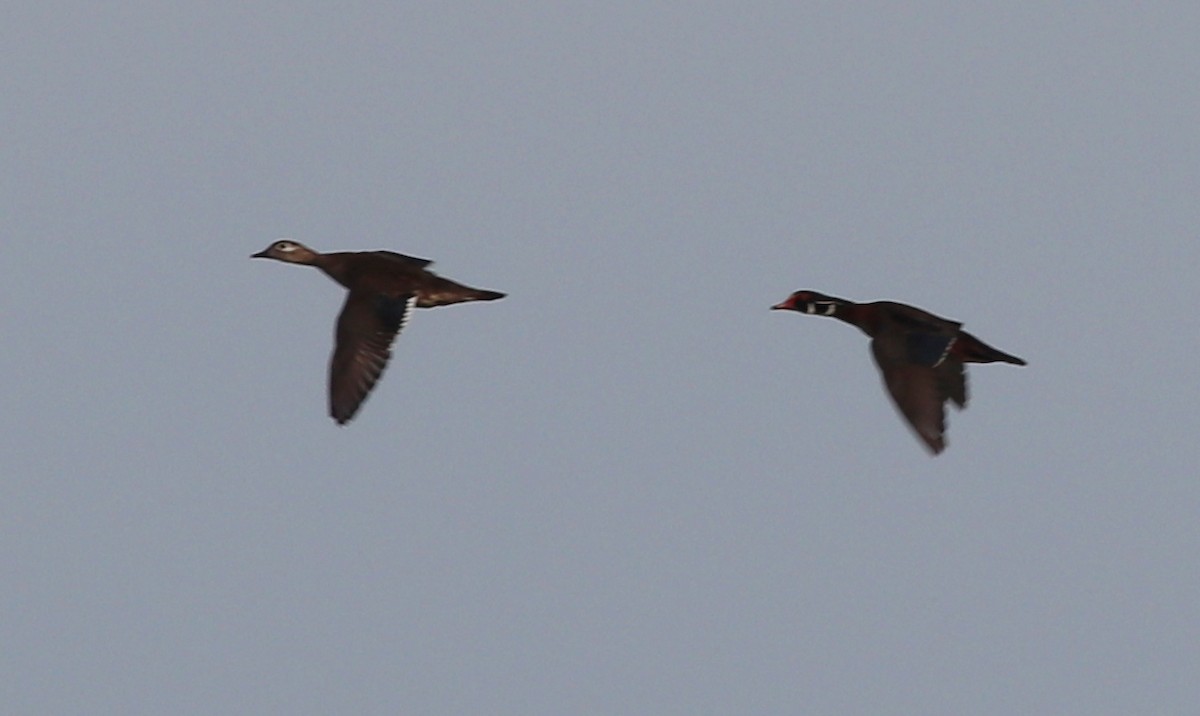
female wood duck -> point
(921, 355)
(383, 287)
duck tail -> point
(481, 294)
(976, 351)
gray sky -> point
(628, 488)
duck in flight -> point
(382, 289)
(922, 356)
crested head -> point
(287, 250)
(812, 302)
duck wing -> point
(918, 391)
(366, 327)
(411, 261)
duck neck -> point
(857, 316)
(334, 266)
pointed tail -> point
(443, 292)
(974, 350)
(485, 295)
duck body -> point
(921, 356)
(382, 289)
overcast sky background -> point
(629, 487)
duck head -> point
(811, 302)
(287, 250)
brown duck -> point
(921, 356)
(382, 288)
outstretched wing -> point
(932, 350)
(919, 393)
(366, 327)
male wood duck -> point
(921, 355)
(383, 287)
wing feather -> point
(366, 328)
(918, 394)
